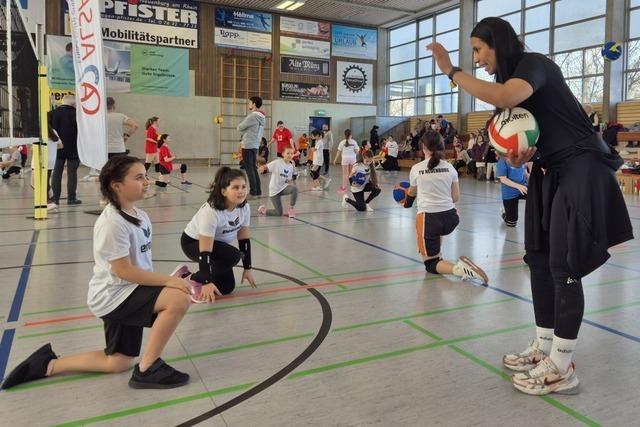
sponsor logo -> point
(513, 117)
(571, 281)
(354, 79)
(147, 232)
(547, 382)
(234, 222)
(146, 247)
(149, 11)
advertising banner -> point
(294, 46)
(354, 42)
(305, 66)
(355, 82)
(304, 91)
(301, 27)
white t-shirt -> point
(392, 149)
(114, 238)
(52, 152)
(318, 157)
(349, 151)
(434, 186)
(221, 225)
(360, 168)
(115, 132)
(281, 175)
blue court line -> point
(18, 298)
(502, 291)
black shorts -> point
(164, 171)
(123, 326)
(430, 227)
(315, 174)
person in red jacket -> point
(166, 158)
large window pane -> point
(575, 10)
(408, 107)
(426, 28)
(570, 63)
(425, 105)
(514, 20)
(633, 85)
(450, 40)
(529, 3)
(402, 35)
(443, 84)
(576, 87)
(422, 47)
(634, 3)
(634, 24)
(454, 57)
(448, 21)
(425, 86)
(395, 90)
(425, 67)
(409, 89)
(402, 53)
(395, 108)
(537, 18)
(483, 75)
(537, 42)
(593, 89)
(445, 103)
(590, 33)
(633, 54)
(496, 7)
(402, 71)
(482, 106)
(593, 61)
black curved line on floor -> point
(325, 327)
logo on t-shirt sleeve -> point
(234, 222)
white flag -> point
(91, 101)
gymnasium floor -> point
(345, 327)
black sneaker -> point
(33, 368)
(74, 202)
(158, 376)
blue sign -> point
(354, 42)
(240, 19)
(24, 4)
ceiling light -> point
(296, 5)
(285, 4)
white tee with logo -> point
(281, 175)
(222, 225)
(434, 186)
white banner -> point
(355, 82)
(240, 39)
(91, 102)
(303, 27)
(303, 47)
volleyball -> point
(400, 192)
(359, 178)
(611, 51)
(513, 129)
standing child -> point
(434, 182)
(391, 164)
(166, 158)
(514, 188)
(349, 149)
(283, 173)
(208, 236)
(363, 180)
(321, 182)
(151, 144)
(124, 292)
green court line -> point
(614, 308)
(158, 405)
(478, 361)
(293, 260)
(59, 331)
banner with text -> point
(295, 46)
(301, 27)
(305, 66)
(354, 42)
(243, 29)
(166, 23)
(355, 82)
(304, 91)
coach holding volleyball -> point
(575, 210)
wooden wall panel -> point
(628, 113)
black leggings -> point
(511, 210)
(224, 257)
(360, 203)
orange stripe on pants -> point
(420, 224)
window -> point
(632, 52)
(416, 86)
(577, 33)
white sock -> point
(562, 352)
(545, 339)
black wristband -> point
(453, 71)
(245, 250)
(205, 272)
(408, 202)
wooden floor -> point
(345, 327)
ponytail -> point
(115, 170)
(150, 121)
(433, 142)
(347, 136)
(161, 139)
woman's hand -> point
(248, 275)
(520, 158)
(441, 55)
(178, 283)
(209, 292)
(522, 189)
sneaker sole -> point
(570, 388)
(477, 269)
(142, 386)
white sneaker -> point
(52, 208)
(526, 360)
(344, 201)
(466, 269)
(326, 183)
(316, 188)
(262, 210)
(546, 378)
(369, 208)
